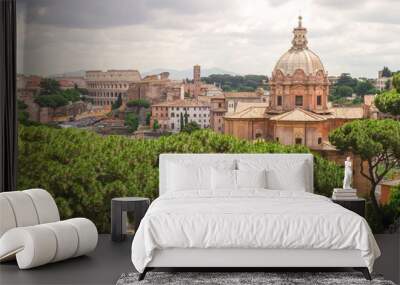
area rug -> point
(243, 278)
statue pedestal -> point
(344, 194)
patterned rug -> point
(243, 278)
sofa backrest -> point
(282, 162)
(26, 208)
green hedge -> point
(84, 170)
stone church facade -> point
(298, 112)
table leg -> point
(140, 211)
(116, 222)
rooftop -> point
(241, 106)
(253, 111)
(299, 115)
(347, 112)
(240, 94)
(181, 103)
(394, 182)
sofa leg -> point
(364, 271)
(143, 274)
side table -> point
(119, 207)
(357, 205)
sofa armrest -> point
(40, 244)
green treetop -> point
(389, 101)
(377, 142)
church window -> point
(298, 141)
(277, 139)
(299, 100)
(319, 100)
(279, 103)
(319, 140)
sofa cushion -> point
(7, 220)
(41, 244)
(23, 208)
(45, 205)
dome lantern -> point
(300, 40)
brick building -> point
(155, 88)
(169, 114)
(228, 102)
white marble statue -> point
(348, 173)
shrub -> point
(191, 127)
(156, 125)
(52, 101)
(72, 95)
(138, 103)
(83, 170)
(132, 122)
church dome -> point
(299, 56)
(305, 60)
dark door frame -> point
(8, 101)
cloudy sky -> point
(56, 36)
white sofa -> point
(31, 230)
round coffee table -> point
(119, 208)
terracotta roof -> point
(219, 110)
(66, 83)
(390, 182)
(220, 97)
(324, 146)
(240, 94)
(299, 115)
(181, 103)
(255, 111)
(347, 112)
(241, 106)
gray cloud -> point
(94, 14)
(55, 36)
